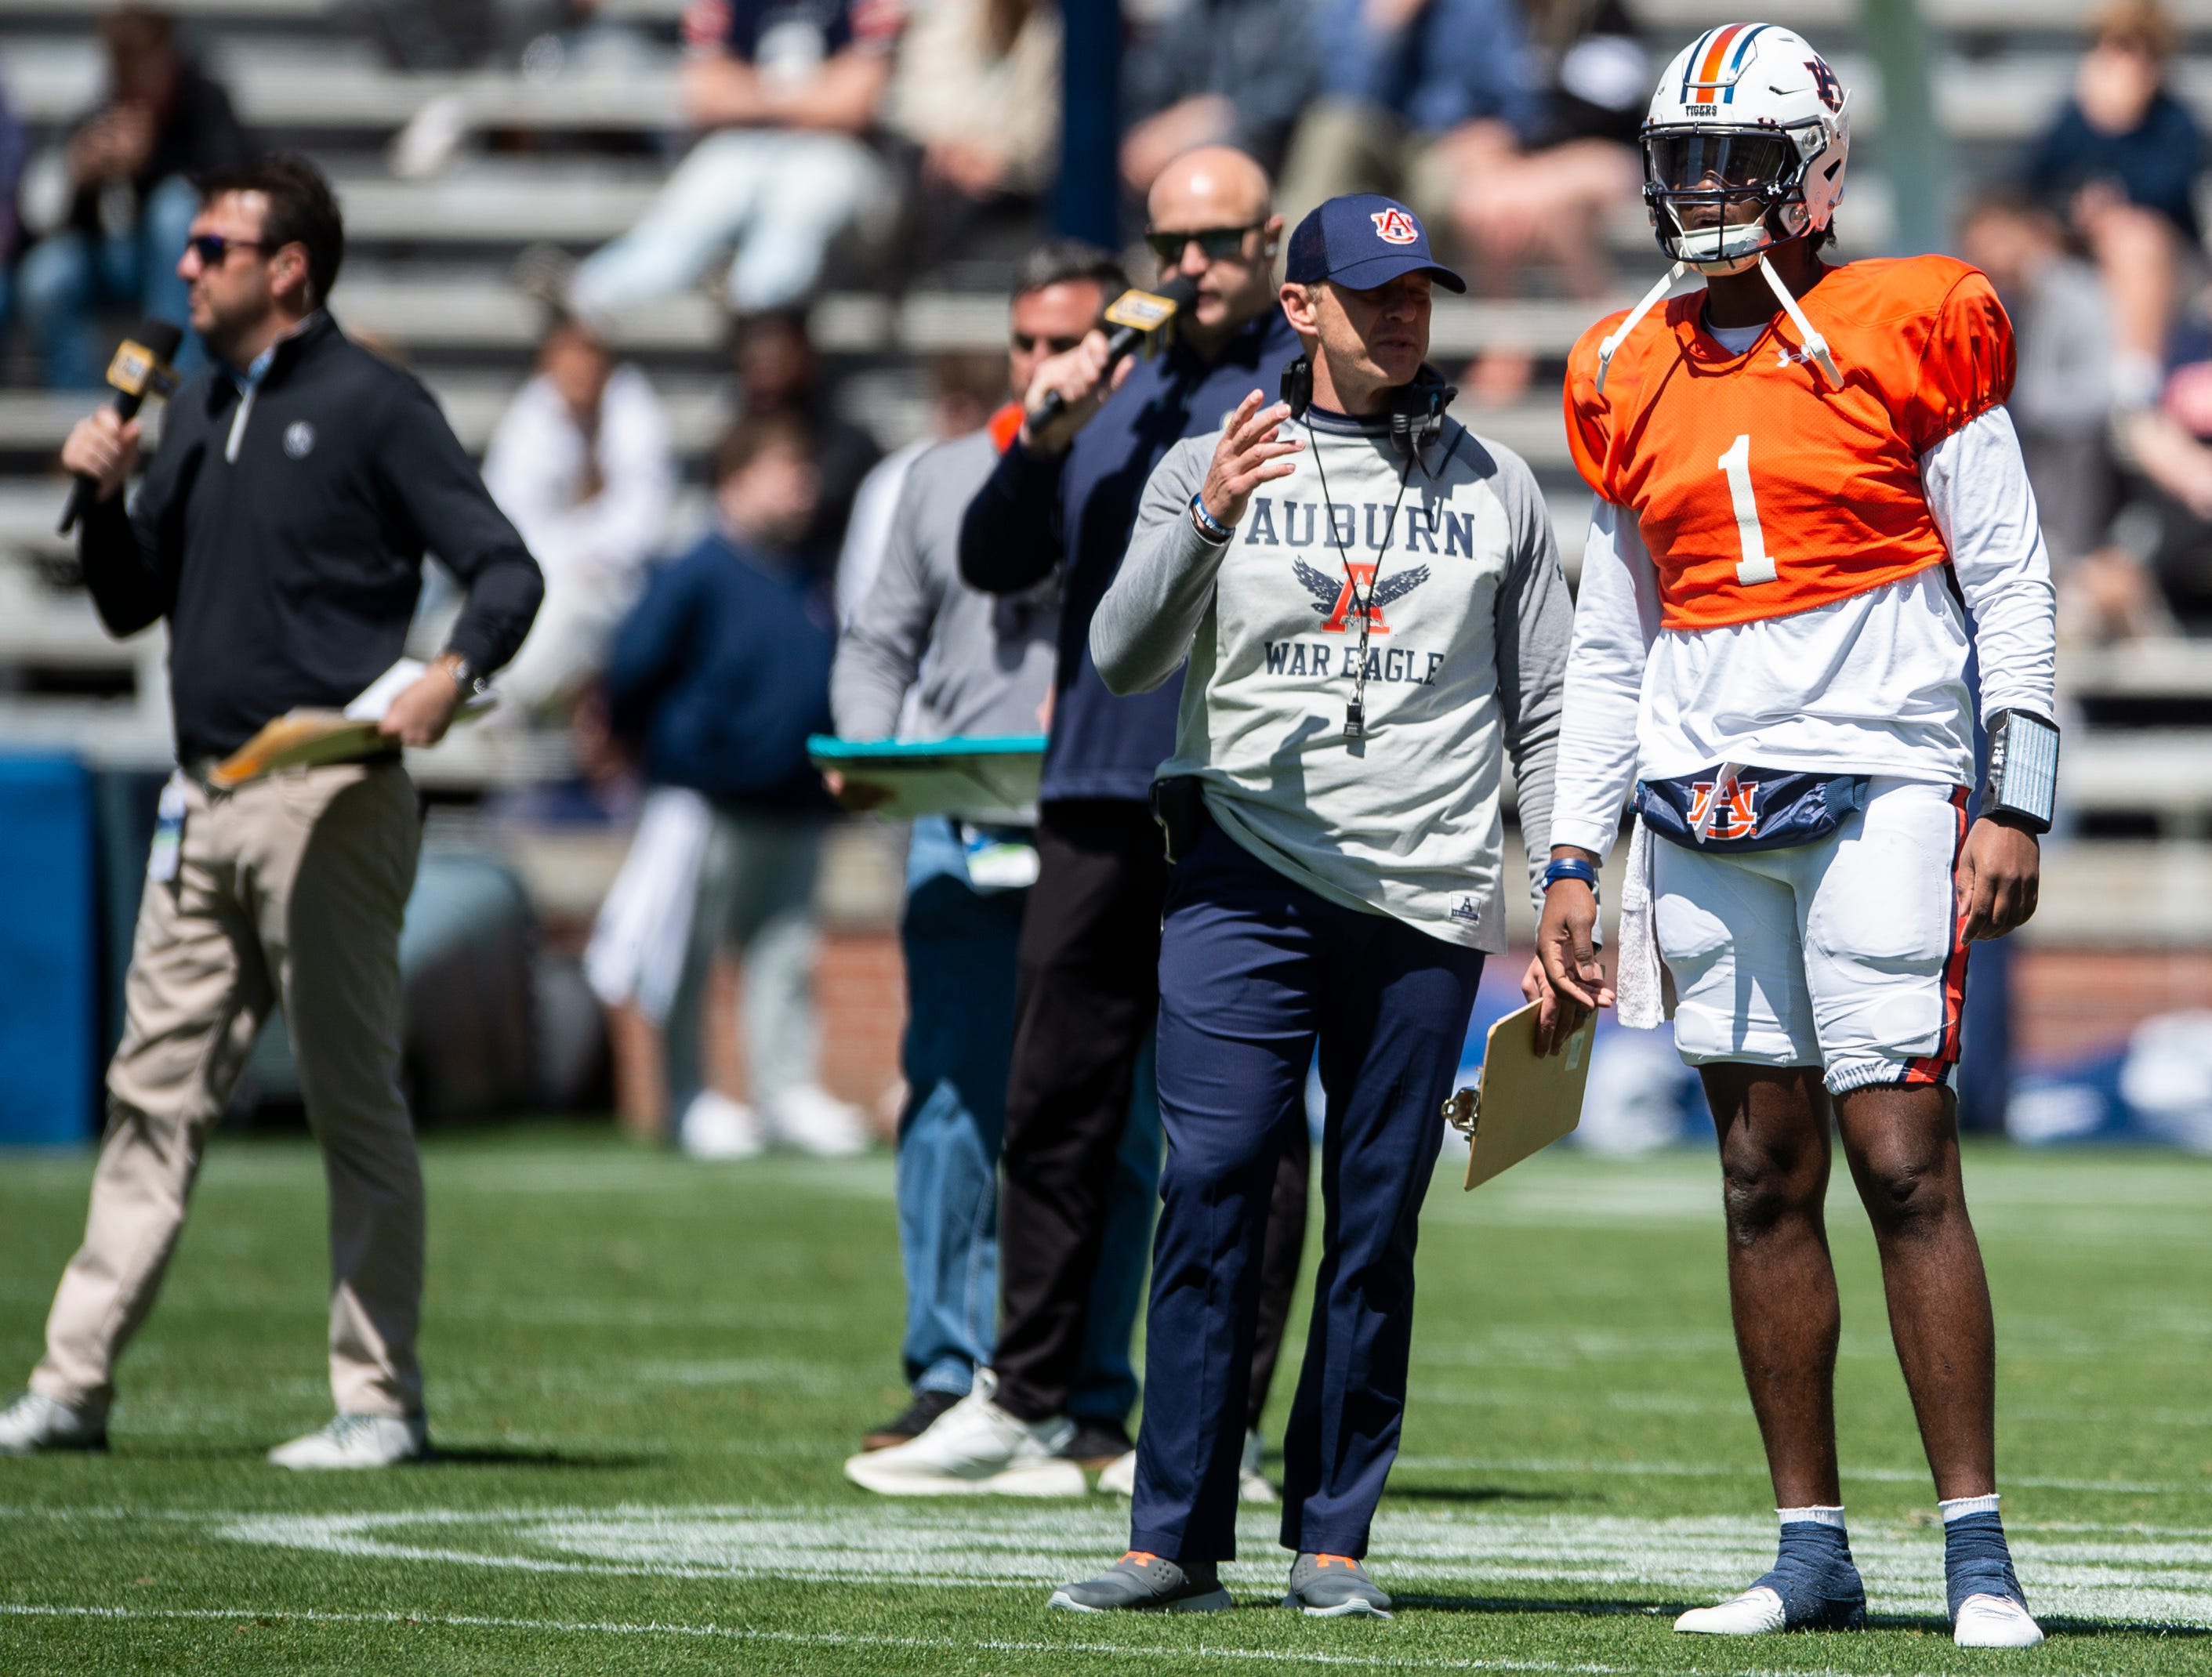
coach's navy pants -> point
(1253, 968)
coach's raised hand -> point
(2000, 873)
(1250, 452)
(1574, 984)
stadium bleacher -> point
(428, 274)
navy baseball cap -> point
(1363, 239)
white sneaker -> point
(358, 1441)
(814, 1121)
(1119, 1478)
(32, 1424)
(715, 1126)
(973, 1447)
(1252, 1484)
(1754, 1614)
(1995, 1621)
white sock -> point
(1818, 1515)
(1960, 1506)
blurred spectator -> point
(581, 464)
(967, 387)
(11, 171)
(785, 96)
(1414, 94)
(2120, 165)
(2062, 395)
(977, 91)
(778, 372)
(2160, 567)
(1218, 71)
(128, 200)
(718, 678)
(1548, 202)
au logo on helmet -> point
(1394, 227)
(1825, 83)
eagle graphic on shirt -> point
(1339, 599)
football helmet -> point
(1744, 146)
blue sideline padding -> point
(49, 994)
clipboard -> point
(981, 777)
(1522, 1103)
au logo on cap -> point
(1394, 227)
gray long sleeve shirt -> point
(1466, 652)
(980, 663)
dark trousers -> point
(1087, 993)
(1255, 969)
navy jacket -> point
(1078, 511)
(720, 673)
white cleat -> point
(32, 1424)
(812, 1120)
(1119, 1477)
(357, 1441)
(1754, 1614)
(975, 1448)
(1252, 1484)
(715, 1126)
(1995, 1621)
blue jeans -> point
(68, 278)
(1255, 970)
(959, 944)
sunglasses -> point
(1025, 342)
(1215, 242)
(213, 248)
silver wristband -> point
(2023, 779)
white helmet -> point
(1748, 115)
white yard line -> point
(826, 1638)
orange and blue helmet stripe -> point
(1719, 52)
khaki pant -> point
(1343, 145)
(289, 892)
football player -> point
(1811, 508)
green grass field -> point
(645, 1374)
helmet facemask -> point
(1721, 196)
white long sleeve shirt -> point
(1872, 684)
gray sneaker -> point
(1138, 1583)
(1334, 1586)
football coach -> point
(280, 532)
(1370, 602)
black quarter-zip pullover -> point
(281, 531)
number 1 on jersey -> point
(1754, 566)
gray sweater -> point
(1466, 652)
(980, 663)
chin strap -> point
(1610, 346)
(1816, 346)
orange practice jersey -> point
(1759, 491)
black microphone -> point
(1136, 318)
(140, 370)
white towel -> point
(638, 942)
(1639, 1000)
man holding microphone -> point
(1370, 604)
(280, 532)
(1064, 496)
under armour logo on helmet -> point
(1394, 227)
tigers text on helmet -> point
(1744, 146)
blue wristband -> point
(1570, 867)
(1209, 526)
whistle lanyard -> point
(1355, 714)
